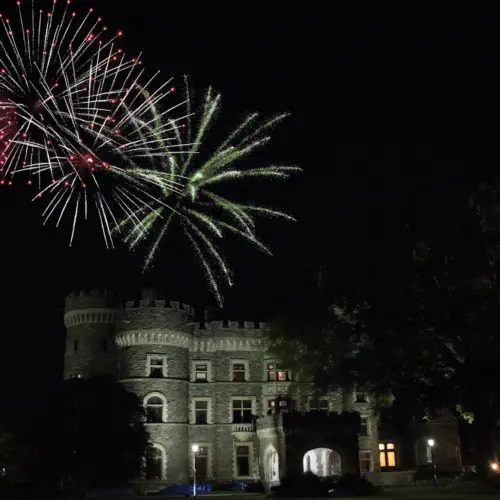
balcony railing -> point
(250, 427)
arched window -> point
(155, 463)
(156, 408)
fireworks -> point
(74, 115)
(189, 187)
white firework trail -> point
(76, 116)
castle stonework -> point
(215, 386)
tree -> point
(424, 322)
(94, 433)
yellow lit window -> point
(387, 455)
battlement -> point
(227, 327)
(160, 304)
(91, 299)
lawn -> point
(451, 492)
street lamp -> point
(195, 448)
(431, 443)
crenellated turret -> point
(90, 318)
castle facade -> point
(218, 406)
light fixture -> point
(431, 442)
(195, 448)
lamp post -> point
(194, 449)
(431, 443)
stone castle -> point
(213, 385)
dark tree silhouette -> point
(418, 315)
(94, 433)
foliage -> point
(358, 486)
(97, 433)
(306, 485)
(424, 323)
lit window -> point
(201, 373)
(155, 409)
(365, 461)
(243, 461)
(242, 411)
(364, 430)
(277, 372)
(156, 366)
(201, 412)
(283, 404)
(238, 372)
(387, 455)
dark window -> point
(104, 345)
(361, 398)
(75, 345)
(242, 461)
(154, 410)
(201, 412)
(238, 372)
(201, 463)
(319, 405)
(156, 365)
(154, 463)
(242, 411)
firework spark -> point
(73, 114)
(190, 181)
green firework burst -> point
(190, 180)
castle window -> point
(361, 397)
(320, 405)
(155, 462)
(364, 430)
(75, 345)
(239, 371)
(201, 462)
(242, 411)
(201, 410)
(365, 461)
(387, 455)
(242, 460)
(104, 345)
(282, 404)
(277, 372)
(201, 371)
(156, 366)
(156, 408)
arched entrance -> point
(323, 462)
(271, 464)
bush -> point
(358, 486)
(304, 485)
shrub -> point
(356, 485)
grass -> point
(451, 492)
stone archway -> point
(323, 462)
(271, 465)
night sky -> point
(380, 101)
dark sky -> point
(380, 99)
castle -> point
(212, 388)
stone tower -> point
(153, 345)
(90, 318)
